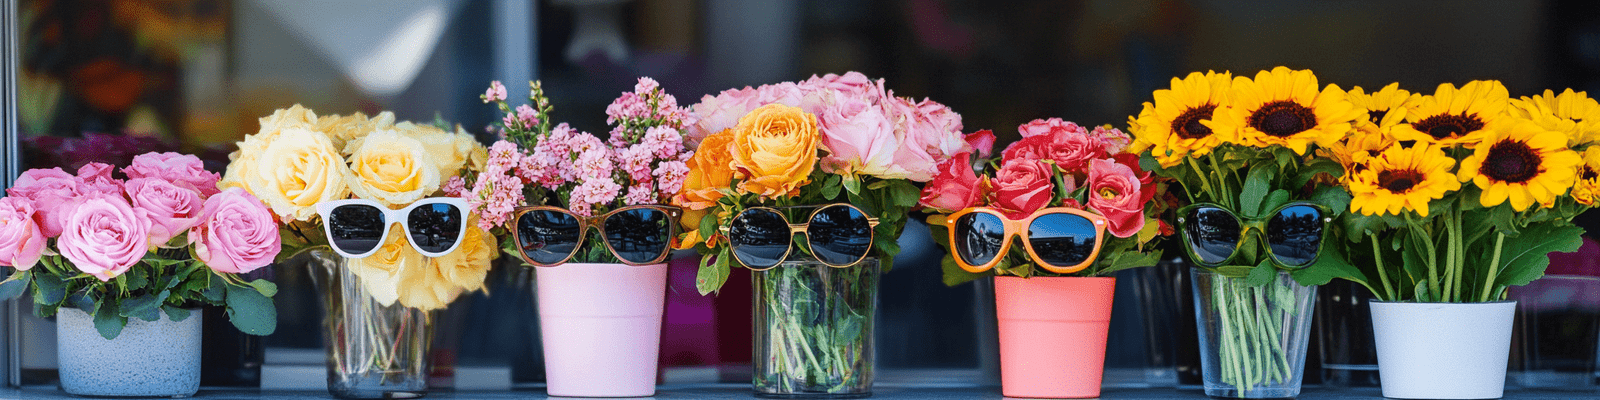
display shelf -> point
(742, 391)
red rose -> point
(1116, 192)
(955, 187)
(982, 142)
(1066, 143)
(1023, 187)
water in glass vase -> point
(813, 329)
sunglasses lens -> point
(547, 237)
(759, 238)
(1213, 234)
(356, 228)
(840, 235)
(979, 237)
(435, 227)
(1062, 240)
(639, 235)
(1295, 235)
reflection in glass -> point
(434, 227)
(1213, 234)
(759, 238)
(839, 235)
(1295, 234)
(1062, 240)
(356, 228)
(546, 236)
(638, 235)
(979, 237)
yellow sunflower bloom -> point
(1524, 163)
(1176, 125)
(1385, 108)
(1356, 150)
(1456, 116)
(1587, 189)
(1283, 107)
(1402, 178)
(1572, 113)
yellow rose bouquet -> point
(809, 184)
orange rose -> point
(775, 146)
(710, 171)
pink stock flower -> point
(496, 92)
(174, 167)
(171, 208)
(21, 242)
(527, 116)
(103, 236)
(49, 189)
(627, 106)
(670, 176)
(663, 142)
(496, 196)
(639, 194)
(1115, 191)
(96, 177)
(635, 162)
(594, 158)
(602, 190)
(646, 85)
(239, 234)
(956, 186)
(1022, 187)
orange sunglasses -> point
(558, 248)
(976, 219)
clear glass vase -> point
(374, 351)
(813, 329)
(1252, 338)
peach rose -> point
(775, 146)
(710, 171)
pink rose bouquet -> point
(162, 239)
(1056, 164)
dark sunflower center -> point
(1377, 116)
(1511, 161)
(1188, 125)
(1589, 173)
(1283, 118)
(1399, 181)
(1446, 126)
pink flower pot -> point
(602, 328)
(1053, 335)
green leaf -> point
(852, 185)
(1335, 198)
(107, 320)
(831, 187)
(138, 278)
(250, 311)
(903, 193)
(15, 284)
(714, 270)
(176, 314)
(1277, 199)
(144, 307)
(1310, 171)
(1234, 271)
(82, 301)
(954, 275)
(708, 225)
(49, 289)
(1524, 258)
(1422, 292)
(1255, 189)
(266, 288)
(1127, 260)
(1330, 264)
(1261, 275)
(217, 289)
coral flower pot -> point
(602, 328)
(1053, 335)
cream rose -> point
(450, 150)
(243, 161)
(347, 128)
(380, 272)
(393, 169)
(299, 169)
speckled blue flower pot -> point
(149, 359)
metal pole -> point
(10, 163)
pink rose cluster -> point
(866, 128)
(1053, 157)
(104, 225)
(642, 163)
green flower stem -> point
(1383, 277)
(1450, 266)
(1494, 267)
(1433, 257)
(1459, 256)
(1205, 181)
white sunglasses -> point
(356, 228)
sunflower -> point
(1385, 108)
(1356, 150)
(1402, 178)
(1572, 113)
(1525, 163)
(1587, 190)
(1284, 108)
(1456, 116)
(1176, 125)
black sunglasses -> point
(839, 235)
(636, 235)
(1293, 233)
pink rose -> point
(913, 154)
(1022, 187)
(859, 136)
(21, 243)
(1029, 148)
(103, 235)
(955, 187)
(174, 167)
(1072, 151)
(96, 177)
(1049, 126)
(982, 142)
(1066, 143)
(716, 113)
(851, 82)
(238, 233)
(49, 189)
(785, 93)
(1115, 191)
(1113, 139)
(172, 209)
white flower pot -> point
(148, 359)
(1442, 350)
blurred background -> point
(105, 80)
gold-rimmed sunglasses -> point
(637, 235)
(838, 234)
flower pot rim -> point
(589, 264)
(1053, 277)
(1466, 303)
